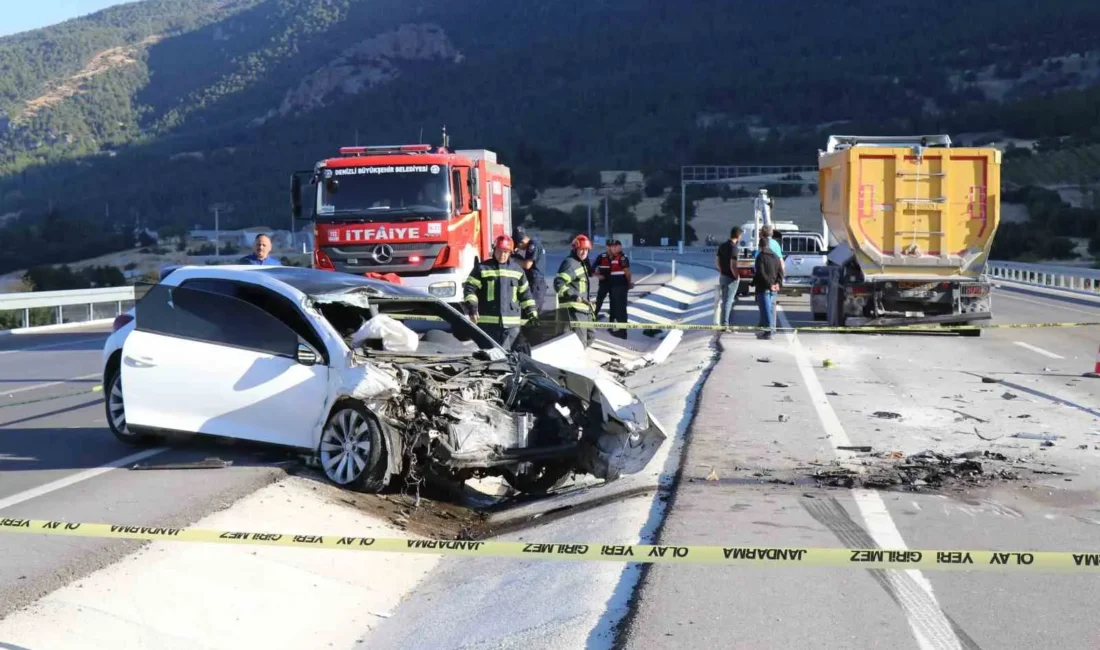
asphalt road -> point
(737, 435)
(56, 459)
(56, 455)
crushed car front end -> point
(454, 403)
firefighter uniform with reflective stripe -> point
(500, 296)
(574, 301)
(618, 283)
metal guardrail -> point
(1068, 278)
(58, 300)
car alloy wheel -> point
(351, 449)
(115, 406)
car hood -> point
(631, 435)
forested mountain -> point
(154, 111)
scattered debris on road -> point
(861, 448)
(923, 470)
(1036, 436)
(780, 384)
(827, 363)
(783, 417)
(1008, 395)
(763, 360)
(206, 463)
(887, 415)
(990, 380)
(964, 414)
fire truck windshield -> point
(405, 192)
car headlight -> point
(442, 289)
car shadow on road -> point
(79, 448)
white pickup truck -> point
(802, 251)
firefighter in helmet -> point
(497, 295)
(571, 287)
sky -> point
(22, 15)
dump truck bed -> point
(908, 211)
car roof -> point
(310, 282)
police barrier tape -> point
(871, 329)
(756, 328)
(853, 558)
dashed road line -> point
(926, 619)
(73, 479)
(1039, 350)
(24, 389)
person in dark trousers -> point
(261, 253)
(767, 276)
(601, 269)
(571, 287)
(497, 295)
(726, 262)
(529, 255)
(619, 282)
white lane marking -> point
(1041, 351)
(926, 619)
(52, 345)
(1056, 303)
(24, 389)
(73, 479)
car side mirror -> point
(476, 203)
(307, 356)
(475, 181)
(296, 185)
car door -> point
(205, 362)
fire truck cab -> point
(424, 213)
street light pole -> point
(683, 215)
(588, 203)
(606, 215)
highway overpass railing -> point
(1066, 278)
(38, 310)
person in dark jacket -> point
(571, 287)
(601, 269)
(767, 276)
(529, 254)
(619, 282)
(261, 253)
(497, 295)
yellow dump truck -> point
(914, 220)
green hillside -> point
(153, 111)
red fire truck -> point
(424, 213)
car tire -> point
(541, 479)
(351, 450)
(115, 407)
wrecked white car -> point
(381, 382)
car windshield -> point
(406, 192)
(440, 330)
